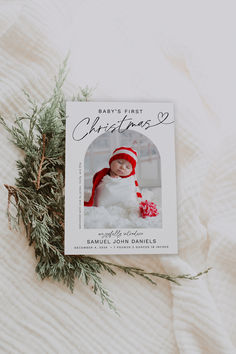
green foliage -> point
(38, 196)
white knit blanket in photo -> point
(122, 215)
(116, 191)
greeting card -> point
(120, 194)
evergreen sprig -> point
(38, 196)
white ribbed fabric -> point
(130, 44)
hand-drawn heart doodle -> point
(161, 117)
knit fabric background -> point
(182, 52)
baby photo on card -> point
(120, 195)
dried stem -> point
(41, 163)
(11, 192)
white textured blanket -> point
(124, 215)
(178, 51)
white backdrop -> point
(180, 51)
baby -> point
(117, 185)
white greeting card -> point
(120, 195)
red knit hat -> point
(127, 154)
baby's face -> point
(120, 168)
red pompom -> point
(148, 209)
